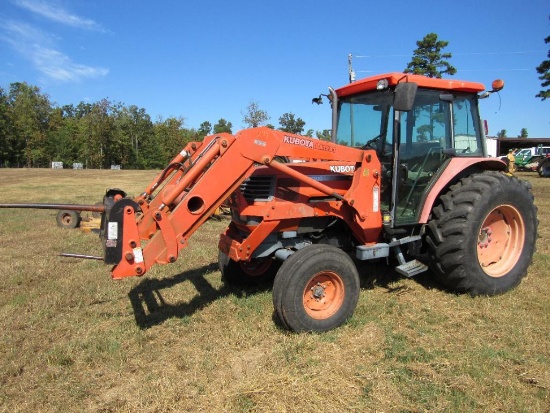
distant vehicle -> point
(543, 164)
(524, 156)
(533, 163)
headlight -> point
(382, 84)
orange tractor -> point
(406, 178)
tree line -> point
(34, 132)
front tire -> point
(316, 289)
(482, 236)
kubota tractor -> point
(405, 179)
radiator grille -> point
(258, 188)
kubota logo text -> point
(342, 168)
(308, 143)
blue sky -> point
(207, 60)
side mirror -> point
(404, 96)
(497, 86)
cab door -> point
(440, 126)
(425, 134)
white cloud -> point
(58, 14)
(39, 48)
(60, 67)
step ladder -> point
(411, 268)
(407, 269)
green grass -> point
(178, 339)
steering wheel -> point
(374, 143)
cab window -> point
(467, 134)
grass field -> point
(73, 340)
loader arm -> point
(156, 225)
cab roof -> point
(369, 83)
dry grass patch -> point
(180, 340)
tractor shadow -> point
(151, 308)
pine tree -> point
(544, 71)
(428, 60)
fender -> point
(455, 166)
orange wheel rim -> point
(323, 295)
(66, 219)
(500, 240)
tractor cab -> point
(416, 125)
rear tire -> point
(316, 289)
(482, 236)
(68, 219)
(544, 168)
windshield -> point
(363, 119)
